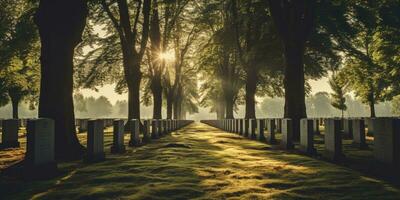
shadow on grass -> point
(201, 162)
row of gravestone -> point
(78, 122)
(41, 137)
(386, 132)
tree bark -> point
(157, 98)
(169, 105)
(133, 83)
(61, 24)
(14, 103)
(294, 21)
(229, 108)
(156, 86)
(295, 107)
(251, 88)
(372, 109)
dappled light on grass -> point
(201, 162)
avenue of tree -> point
(181, 54)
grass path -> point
(201, 162)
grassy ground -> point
(201, 162)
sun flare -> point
(167, 56)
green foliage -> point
(338, 95)
(19, 54)
(92, 107)
(396, 105)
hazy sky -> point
(108, 90)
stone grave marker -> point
(270, 136)
(387, 140)
(348, 128)
(9, 138)
(307, 130)
(260, 129)
(358, 126)
(118, 137)
(316, 123)
(135, 133)
(287, 134)
(146, 132)
(95, 141)
(252, 128)
(40, 149)
(154, 129)
(333, 139)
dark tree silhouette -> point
(294, 20)
(61, 23)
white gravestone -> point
(287, 134)
(307, 130)
(260, 129)
(333, 139)
(358, 126)
(270, 136)
(387, 140)
(40, 149)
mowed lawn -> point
(201, 162)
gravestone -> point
(164, 127)
(287, 134)
(235, 125)
(370, 126)
(83, 125)
(333, 139)
(252, 129)
(270, 136)
(260, 129)
(316, 124)
(118, 137)
(160, 128)
(241, 126)
(387, 140)
(154, 129)
(9, 138)
(168, 126)
(146, 131)
(348, 128)
(278, 123)
(359, 133)
(135, 133)
(246, 128)
(95, 141)
(307, 130)
(40, 149)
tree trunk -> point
(61, 24)
(15, 99)
(134, 94)
(295, 107)
(14, 103)
(229, 109)
(251, 88)
(155, 38)
(157, 98)
(169, 106)
(372, 109)
(295, 22)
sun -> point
(167, 56)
